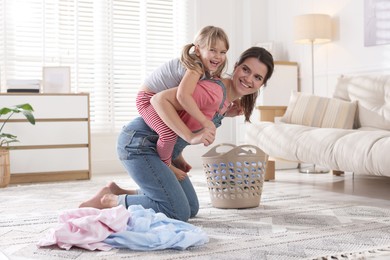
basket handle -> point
(247, 149)
(213, 151)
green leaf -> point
(29, 116)
(26, 106)
(26, 109)
(5, 110)
(5, 135)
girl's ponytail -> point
(190, 60)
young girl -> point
(207, 60)
(233, 91)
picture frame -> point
(376, 23)
(56, 79)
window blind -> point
(110, 46)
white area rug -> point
(294, 221)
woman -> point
(159, 188)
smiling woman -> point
(159, 189)
(106, 44)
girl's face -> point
(248, 77)
(212, 57)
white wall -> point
(248, 22)
(104, 157)
(346, 54)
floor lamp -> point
(312, 29)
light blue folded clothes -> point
(148, 230)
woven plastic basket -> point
(235, 177)
(4, 168)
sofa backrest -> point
(372, 93)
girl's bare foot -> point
(180, 175)
(115, 189)
(181, 163)
(102, 200)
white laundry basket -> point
(235, 177)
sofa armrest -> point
(268, 113)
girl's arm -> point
(184, 96)
(166, 106)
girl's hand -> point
(205, 137)
(235, 109)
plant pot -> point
(5, 174)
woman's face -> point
(248, 77)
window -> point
(110, 45)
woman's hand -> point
(209, 125)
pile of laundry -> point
(135, 228)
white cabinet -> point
(279, 86)
(57, 147)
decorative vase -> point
(5, 174)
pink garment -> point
(87, 228)
(208, 96)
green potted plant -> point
(6, 138)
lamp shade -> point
(312, 28)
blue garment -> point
(159, 188)
(148, 230)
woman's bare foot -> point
(115, 189)
(180, 175)
(109, 201)
(102, 200)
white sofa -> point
(347, 133)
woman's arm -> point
(166, 106)
(184, 96)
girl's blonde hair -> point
(206, 38)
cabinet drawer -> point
(49, 133)
(50, 106)
(49, 160)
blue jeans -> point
(159, 187)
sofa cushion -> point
(350, 150)
(310, 110)
(339, 114)
(372, 92)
